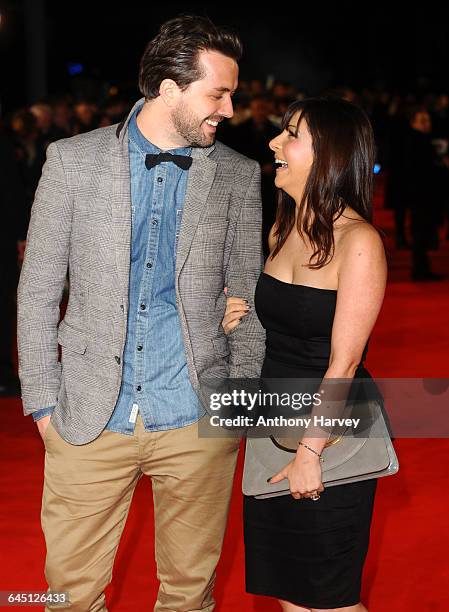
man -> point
(251, 138)
(13, 208)
(419, 178)
(150, 241)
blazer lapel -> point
(121, 203)
(201, 178)
(121, 213)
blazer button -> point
(117, 358)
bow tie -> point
(153, 159)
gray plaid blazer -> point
(81, 222)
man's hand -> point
(42, 424)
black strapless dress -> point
(310, 553)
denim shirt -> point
(155, 378)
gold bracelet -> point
(313, 451)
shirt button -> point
(160, 179)
(138, 387)
(142, 307)
(122, 307)
(117, 358)
(149, 264)
(140, 347)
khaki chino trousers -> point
(87, 495)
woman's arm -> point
(362, 278)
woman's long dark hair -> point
(341, 174)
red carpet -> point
(407, 565)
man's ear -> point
(169, 92)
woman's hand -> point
(304, 475)
(236, 309)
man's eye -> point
(217, 97)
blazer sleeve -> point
(41, 286)
(247, 340)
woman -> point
(318, 298)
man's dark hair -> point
(173, 53)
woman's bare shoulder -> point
(351, 228)
(361, 246)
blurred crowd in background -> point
(411, 132)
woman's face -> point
(296, 155)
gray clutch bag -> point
(346, 458)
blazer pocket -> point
(72, 338)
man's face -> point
(44, 117)
(208, 101)
(259, 111)
(422, 122)
(84, 112)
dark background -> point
(396, 46)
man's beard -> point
(188, 126)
